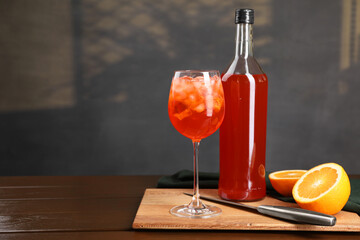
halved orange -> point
(284, 181)
(324, 188)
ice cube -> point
(183, 114)
(199, 108)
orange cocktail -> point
(196, 105)
(196, 109)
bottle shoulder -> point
(240, 65)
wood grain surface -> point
(99, 207)
(154, 213)
(46, 204)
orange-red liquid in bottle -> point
(243, 131)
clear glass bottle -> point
(243, 131)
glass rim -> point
(197, 71)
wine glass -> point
(196, 110)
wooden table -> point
(98, 207)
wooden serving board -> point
(153, 213)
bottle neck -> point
(244, 40)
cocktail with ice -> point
(196, 109)
(196, 105)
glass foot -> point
(204, 212)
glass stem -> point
(196, 203)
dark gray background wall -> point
(84, 84)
